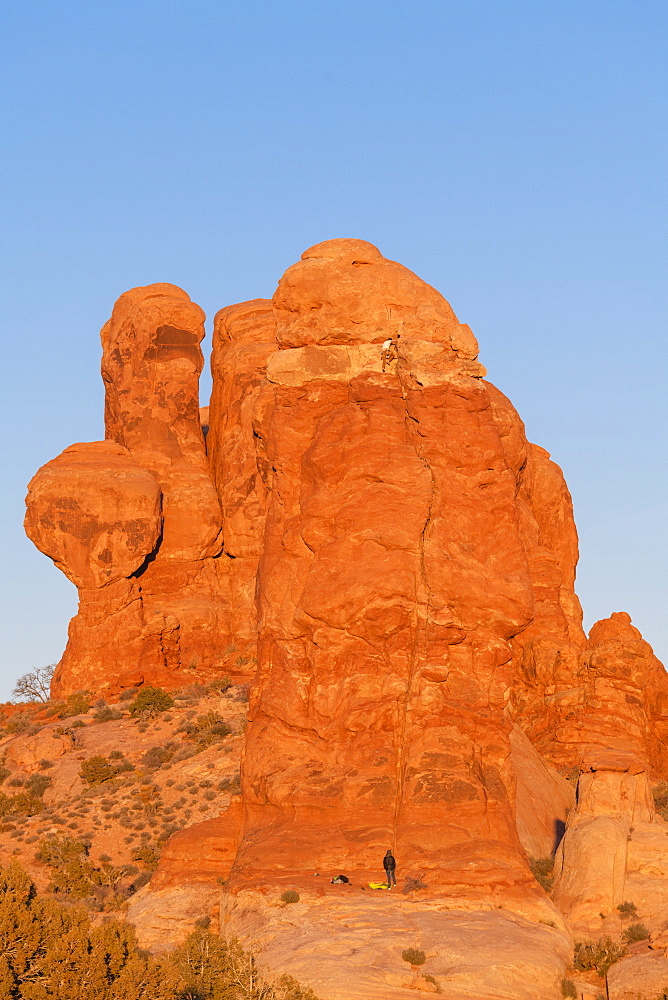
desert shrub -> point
(434, 982)
(148, 855)
(128, 694)
(18, 724)
(287, 988)
(414, 956)
(232, 784)
(51, 950)
(413, 885)
(140, 880)
(75, 704)
(568, 989)
(221, 685)
(290, 896)
(597, 956)
(150, 701)
(205, 729)
(4, 774)
(148, 798)
(23, 804)
(157, 756)
(636, 932)
(211, 968)
(627, 911)
(571, 774)
(107, 714)
(98, 769)
(660, 794)
(542, 870)
(45, 764)
(71, 870)
(37, 784)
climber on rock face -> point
(390, 351)
(389, 864)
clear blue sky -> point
(513, 154)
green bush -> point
(542, 870)
(71, 871)
(150, 701)
(23, 804)
(414, 956)
(597, 956)
(98, 769)
(568, 989)
(51, 949)
(636, 932)
(75, 704)
(206, 729)
(290, 896)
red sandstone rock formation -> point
(134, 521)
(610, 693)
(377, 715)
(243, 338)
(399, 556)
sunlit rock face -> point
(391, 564)
(135, 520)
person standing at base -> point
(389, 864)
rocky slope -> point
(157, 772)
(395, 564)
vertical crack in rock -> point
(413, 436)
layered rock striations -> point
(395, 563)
